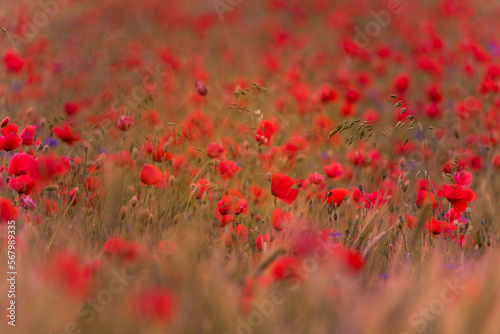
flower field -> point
(235, 166)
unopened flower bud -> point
(200, 87)
(5, 122)
(133, 202)
(123, 212)
(171, 180)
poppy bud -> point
(200, 87)
(51, 187)
(404, 187)
(133, 201)
(5, 122)
(171, 180)
(196, 190)
(335, 216)
(123, 212)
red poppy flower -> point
(423, 196)
(215, 150)
(224, 220)
(202, 185)
(279, 217)
(228, 169)
(241, 231)
(265, 132)
(316, 178)
(125, 122)
(261, 240)
(13, 63)
(336, 196)
(153, 176)
(281, 184)
(334, 170)
(401, 83)
(24, 184)
(286, 268)
(10, 128)
(458, 197)
(11, 142)
(231, 204)
(8, 211)
(160, 155)
(410, 221)
(157, 304)
(23, 164)
(463, 178)
(121, 249)
(257, 194)
(66, 134)
(27, 134)
(327, 93)
(71, 108)
(435, 226)
(353, 259)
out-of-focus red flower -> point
(286, 268)
(27, 134)
(231, 204)
(8, 211)
(435, 226)
(125, 122)
(71, 108)
(357, 158)
(228, 169)
(66, 134)
(458, 196)
(316, 178)
(156, 304)
(334, 170)
(70, 272)
(401, 83)
(153, 176)
(203, 185)
(463, 178)
(24, 184)
(279, 218)
(423, 196)
(257, 194)
(327, 93)
(265, 132)
(410, 221)
(121, 249)
(13, 63)
(241, 231)
(261, 240)
(215, 150)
